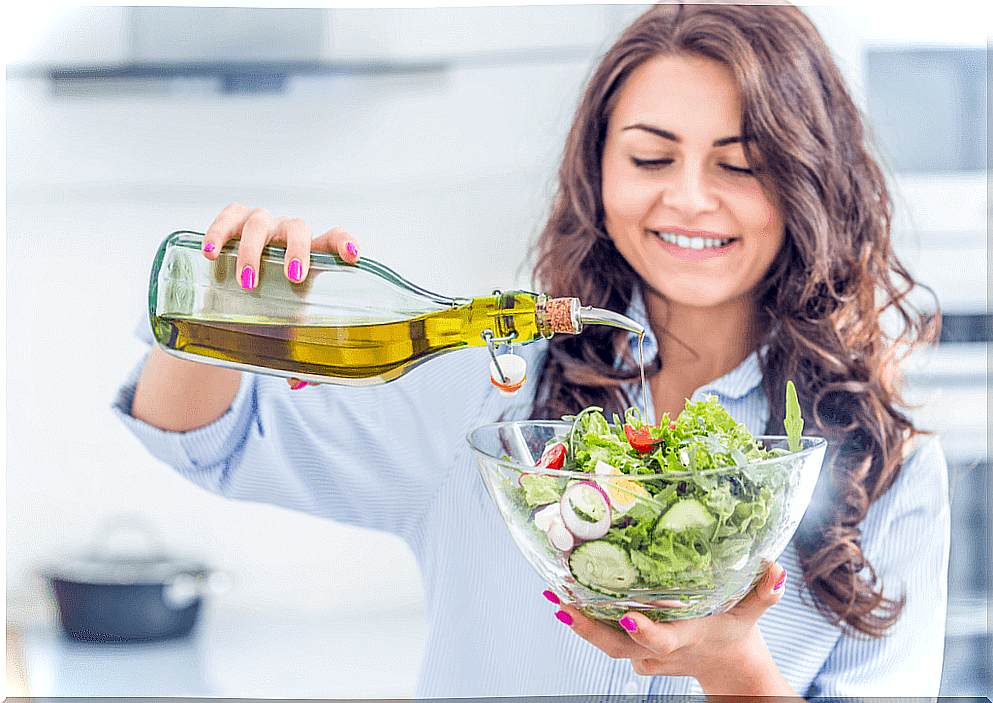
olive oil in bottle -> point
(351, 324)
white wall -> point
(937, 218)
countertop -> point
(234, 652)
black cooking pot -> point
(117, 594)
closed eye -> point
(650, 163)
(737, 169)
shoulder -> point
(924, 467)
(919, 497)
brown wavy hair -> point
(821, 305)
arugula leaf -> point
(793, 422)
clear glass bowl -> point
(758, 508)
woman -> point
(715, 185)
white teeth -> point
(681, 240)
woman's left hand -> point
(725, 653)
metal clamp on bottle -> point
(508, 371)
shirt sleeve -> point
(906, 538)
(371, 456)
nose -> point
(689, 191)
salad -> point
(659, 510)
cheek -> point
(759, 214)
(613, 198)
(770, 221)
(622, 201)
(624, 210)
(774, 230)
(771, 238)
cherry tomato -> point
(553, 457)
(641, 439)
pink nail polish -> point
(552, 597)
(628, 623)
(564, 617)
(780, 582)
(247, 278)
(208, 247)
(295, 270)
(352, 249)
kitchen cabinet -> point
(180, 40)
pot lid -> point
(124, 571)
(126, 551)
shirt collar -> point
(637, 312)
(736, 383)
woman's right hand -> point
(258, 227)
(725, 652)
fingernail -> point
(297, 385)
(564, 617)
(352, 249)
(552, 597)
(295, 270)
(208, 247)
(247, 278)
(628, 623)
(780, 582)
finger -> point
(296, 384)
(340, 242)
(763, 596)
(226, 226)
(255, 234)
(296, 234)
(606, 638)
(649, 666)
(658, 638)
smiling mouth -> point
(684, 242)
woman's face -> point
(682, 204)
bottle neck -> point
(568, 316)
(557, 316)
(513, 312)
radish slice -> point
(544, 517)
(549, 520)
(590, 498)
(560, 537)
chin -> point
(698, 294)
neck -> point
(698, 345)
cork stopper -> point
(562, 316)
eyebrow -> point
(666, 134)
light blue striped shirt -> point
(394, 457)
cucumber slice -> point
(686, 513)
(602, 566)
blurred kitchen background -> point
(432, 134)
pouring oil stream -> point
(599, 316)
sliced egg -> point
(623, 492)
